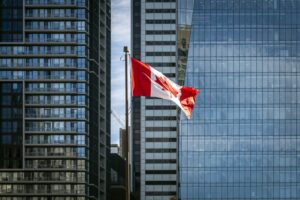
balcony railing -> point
(63, 129)
(57, 166)
(54, 102)
(63, 154)
(53, 90)
(64, 142)
(52, 15)
(50, 2)
(58, 116)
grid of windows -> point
(242, 141)
(54, 102)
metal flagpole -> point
(127, 178)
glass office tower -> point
(243, 140)
(54, 99)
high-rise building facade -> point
(154, 121)
(242, 141)
(55, 99)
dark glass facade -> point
(11, 20)
(54, 99)
(136, 103)
(11, 126)
(242, 141)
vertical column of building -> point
(56, 98)
(11, 92)
(135, 102)
(100, 97)
(108, 92)
(11, 98)
(158, 119)
(95, 165)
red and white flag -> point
(148, 82)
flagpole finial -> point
(125, 49)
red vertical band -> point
(188, 99)
(140, 78)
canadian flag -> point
(148, 82)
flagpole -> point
(127, 178)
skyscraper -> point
(242, 141)
(154, 121)
(55, 99)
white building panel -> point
(164, 70)
(160, 188)
(167, 177)
(165, 59)
(160, 59)
(169, 145)
(162, 48)
(160, 27)
(161, 112)
(160, 16)
(160, 37)
(161, 167)
(161, 123)
(160, 5)
(158, 102)
(165, 134)
(158, 197)
(161, 155)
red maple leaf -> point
(166, 85)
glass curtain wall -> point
(242, 141)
